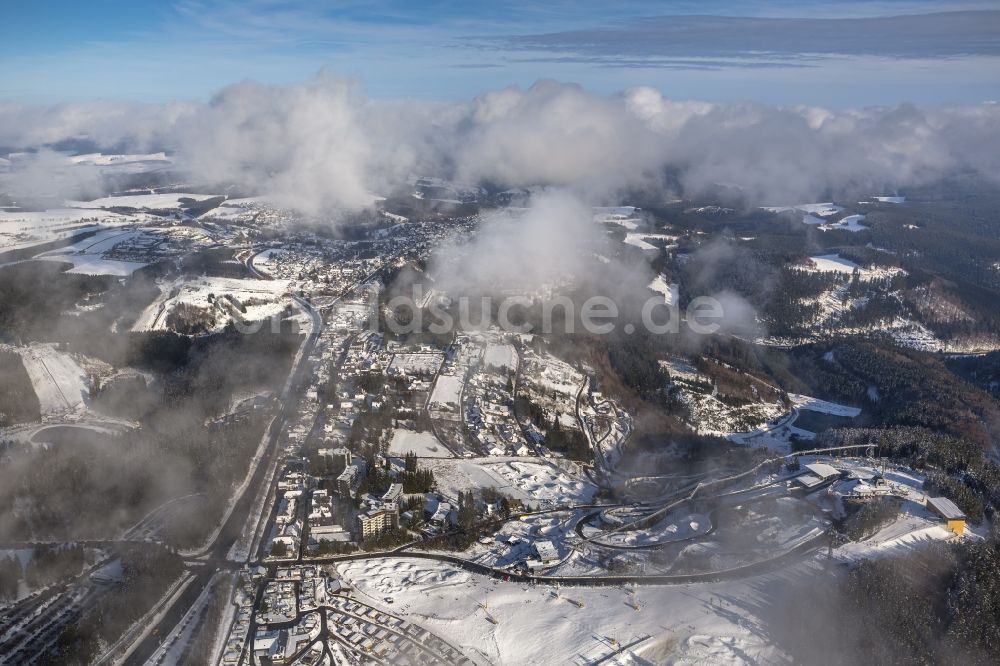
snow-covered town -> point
(488, 334)
(402, 482)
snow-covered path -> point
(505, 623)
(59, 382)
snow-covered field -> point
(95, 265)
(86, 255)
(552, 384)
(912, 530)
(454, 475)
(623, 216)
(100, 159)
(510, 623)
(641, 241)
(915, 335)
(150, 201)
(261, 299)
(500, 356)
(448, 388)
(821, 215)
(266, 261)
(821, 209)
(542, 481)
(59, 381)
(421, 443)
(416, 363)
(669, 291)
(33, 219)
(23, 229)
(818, 209)
(776, 434)
(836, 264)
(680, 368)
(711, 416)
(835, 302)
(532, 480)
(849, 223)
(775, 437)
(823, 406)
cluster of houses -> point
(243, 598)
(440, 514)
(287, 525)
(552, 383)
(378, 514)
(421, 363)
(444, 401)
(323, 527)
(149, 248)
(386, 639)
(320, 269)
(525, 554)
(286, 621)
(489, 415)
(361, 356)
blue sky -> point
(838, 54)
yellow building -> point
(949, 511)
(378, 521)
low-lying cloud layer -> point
(323, 143)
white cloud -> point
(323, 144)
